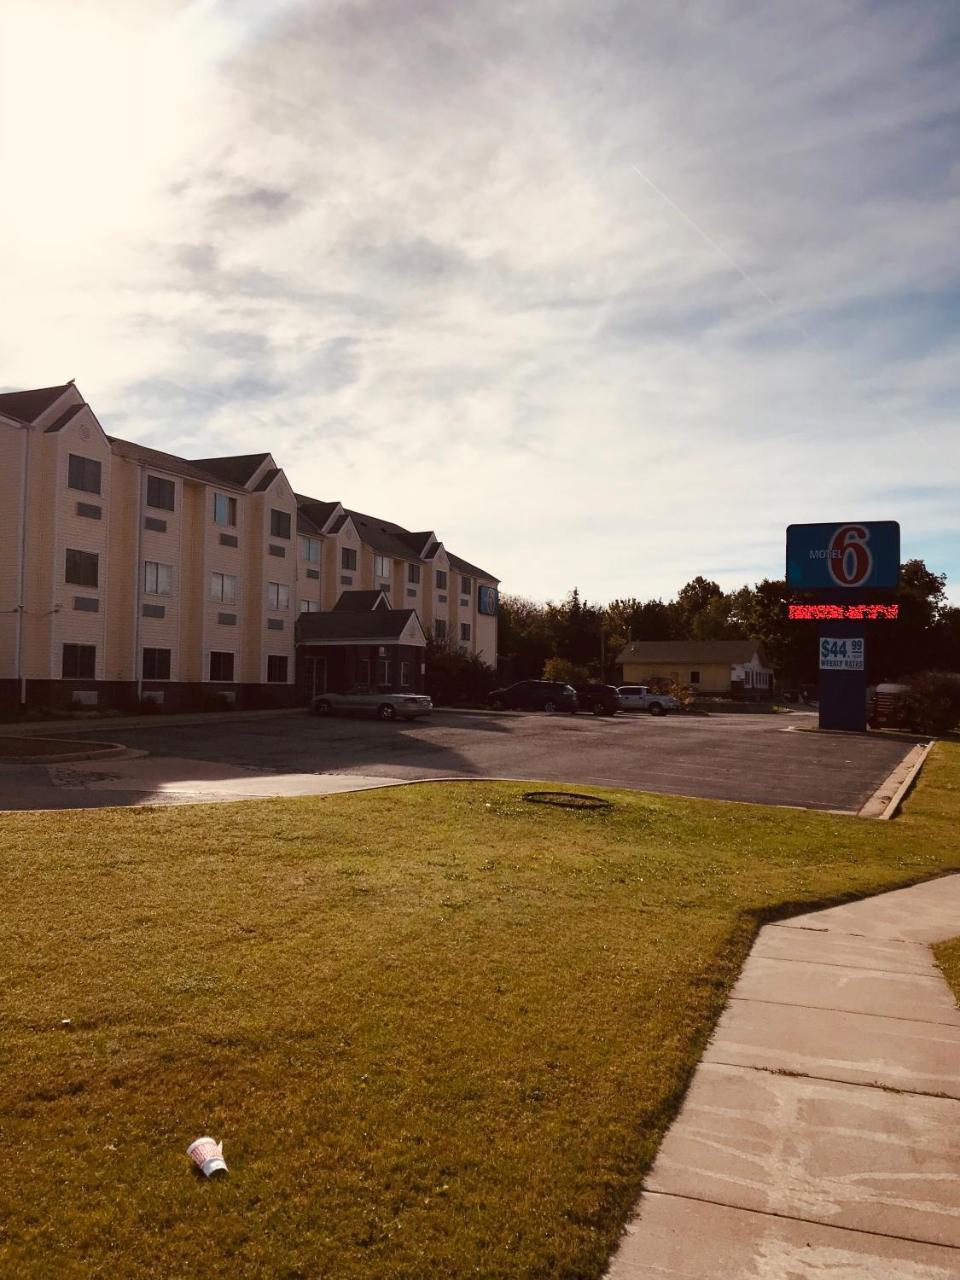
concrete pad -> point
(928, 912)
(920, 997)
(777, 943)
(864, 1159)
(167, 777)
(891, 1052)
(678, 1239)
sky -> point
(606, 294)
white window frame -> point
(278, 596)
(309, 549)
(464, 632)
(382, 566)
(404, 675)
(223, 591)
(231, 510)
(157, 578)
(413, 575)
(309, 606)
(347, 553)
(383, 671)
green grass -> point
(440, 1031)
(948, 958)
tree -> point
(911, 644)
(523, 637)
(790, 647)
(455, 676)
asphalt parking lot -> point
(759, 758)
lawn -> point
(948, 958)
(439, 1030)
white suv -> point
(638, 697)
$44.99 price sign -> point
(841, 655)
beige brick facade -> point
(127, 573)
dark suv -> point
(601, 699)
(536, 695)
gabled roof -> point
(722, 651)
(315, 510)
(361, 601)
(464, 566)
(339, 523)
(267, 480)
(379, 624)
(385, 536)
(235, 470)
(168, 462)
(28, 405)
(67, 416)
(431, 550)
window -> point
(279, 523)
(694, 677)
(278, 595)
(82, 568)
(404, 675)
(156, 664)
(221, 666)
(83, 473)
(156, 578)
(442, 579)
(464, 630)
(465, 586)
(413, 573)
(363, 671)
(79, 662)
(160, 493)
(276, 669)
(747, 679)
(440, 628)
(224, 509)
(223, 587)
(383, 671)
(310, 549)
(348, 558)
(381, 566)
(309, 606)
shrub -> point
(455, 676)
(932, 701)
(567, 672)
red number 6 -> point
(848, 557)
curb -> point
(888, 797)
(18, 729)
(102, 751)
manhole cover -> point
(567, 800)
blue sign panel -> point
(851, 556)
(487, 600)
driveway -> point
(759, 758)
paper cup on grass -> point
(207, 1155)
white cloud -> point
(405, 248)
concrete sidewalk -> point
(820, 1136)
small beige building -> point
(734, 667)
(131, 575)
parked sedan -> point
(639, 697)
(385, 706)
(536, 695)
(601, 699)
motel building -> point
(131, 576)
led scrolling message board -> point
(843, 612)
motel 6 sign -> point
(856, 556)
(843, 564)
